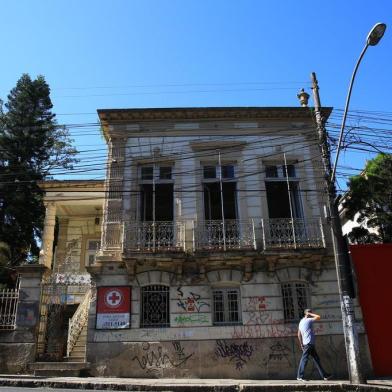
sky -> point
(178, 53)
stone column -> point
(112, 228)
(46, 252)
(61, 249)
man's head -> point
(307, 311)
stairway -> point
(78, 352)
(75, 360)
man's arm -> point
(313, 316)
(300, 339)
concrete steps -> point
(58, 369)
(78, 353)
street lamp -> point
(372, 39)
(342, 259)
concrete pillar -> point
(46, 253)
(18, 346)
(61, 249)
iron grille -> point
(155, 307)
(226, 306)
(295, 300)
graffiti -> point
(191, 303)
(274, 329)
(198, 318)
(256, 303)
(256, 307)
(278, 353)
(154, 358)
(239, 353)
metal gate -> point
(60, 296)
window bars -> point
(155, 307)
(295, 300)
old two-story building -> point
(199, 253)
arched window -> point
(296, 299)
(155, 312)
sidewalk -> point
(188, 385)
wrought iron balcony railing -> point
(225, 235)
(154, 237)
(215, 235)
(292, 233)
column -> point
(46, 252)
(61, 249)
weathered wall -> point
(273, 358)
(263, 345)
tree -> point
(369, 201)
(31, 145)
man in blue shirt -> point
(306, 339)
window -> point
(283, 203)
(156, 197)
(92, 247)
(279, 171)
(212, 172)
(214, 194)
(295, 300)
(155, 307)
(147, 172)
(226, 306)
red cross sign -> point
(114, 299)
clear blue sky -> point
(125, 54)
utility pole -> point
(342, 260)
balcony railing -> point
(215, 235)
(154, 237)
(292, 233)
(225, 235)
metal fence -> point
(8, 305)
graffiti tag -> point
(239, 353)
(153, 358)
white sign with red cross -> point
(113, 307)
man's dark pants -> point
(310, 351)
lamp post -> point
(342, 260)
(372, 39)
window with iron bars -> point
(227, 307)
(155, 307)
(295, 300)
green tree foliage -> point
(370, 195)
(31, 145)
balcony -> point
(292, 233)
(215, 235)
(154, 237)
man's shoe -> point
(327, 377)
(300, 379)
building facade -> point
(203, 249)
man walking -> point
(306, 339)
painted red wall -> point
(373, 265)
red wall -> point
(373, 265)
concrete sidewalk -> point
(188, 385)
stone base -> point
(15, 357)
